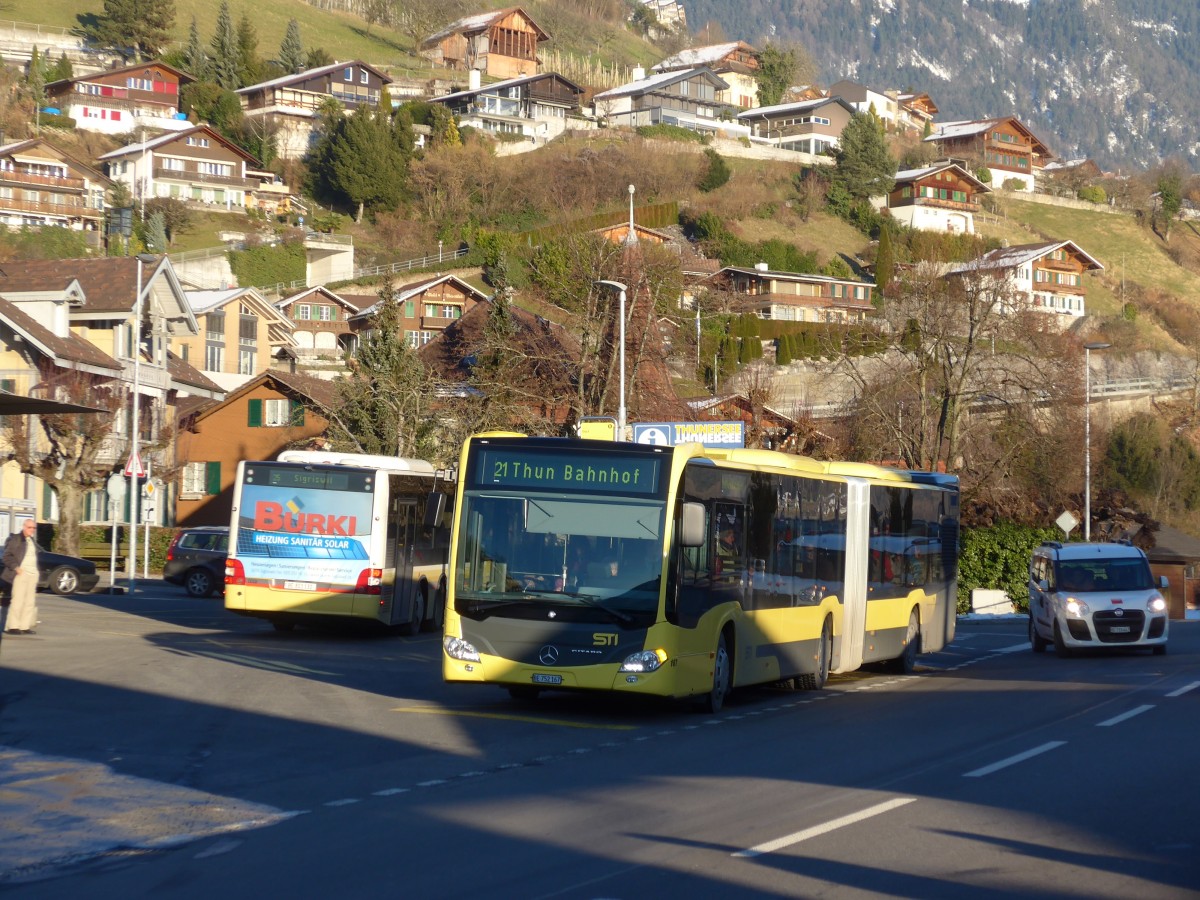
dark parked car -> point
(62, 574)
(196, 560)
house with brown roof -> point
(1011, 153)
(795, 296)
(37, 352)
(100, 297)
(199, 166)
(270, 413)
(736, 62)
(41, 185)
(427, 307)
(320, 321)
(121, 100)
(1045, 277)
(288, 106)
(501, 43)
(941, 197)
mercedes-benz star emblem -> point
(548, 655)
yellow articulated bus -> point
(317, 537)
(686, 572)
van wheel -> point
(1036, 640)
(1160, 649)
(906, 662)
(715, 698)
(1061, 650)
(814, 681)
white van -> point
(1094, 595)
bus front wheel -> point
(722, 678)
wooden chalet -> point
(1005, 146)
(941, 197)
(500, 44)
(118, 101)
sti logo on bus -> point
(600, 639)
(273, 517)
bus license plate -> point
(299, 586)
(539, 678)
(1120, 629)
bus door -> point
(402, 525)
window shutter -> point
(212, 478)
(9, 385)
(255, 413)
(297, 413)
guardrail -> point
(422, 262)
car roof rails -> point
(1055, 545)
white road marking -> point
(388, 792)
(1117, 720)
(818, 830)
(1013, 760)
(1015, 648)
(347, 801)
(1183, 690)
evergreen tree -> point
(778, 69)
(885, 261)
(249, 63)
(140, 26)
(864, 167)
(717, 172)
(225, 50)
(363, 163)
(156, 233)
(195, 60)
(61, 70)
(291, 51)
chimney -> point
(473, 80)
(638, 73)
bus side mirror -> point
(435, 505)
(691, 525)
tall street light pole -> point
(1087, 434)
(620, 288)
(135, 431)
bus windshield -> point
(521, 555)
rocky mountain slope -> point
(1107, 79)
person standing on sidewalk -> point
(20, 569)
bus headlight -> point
(1156, 604)
(1076, 607)
(457, 648)
(644, 661)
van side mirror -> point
(1043, 585)
(691, 525)
(1163, 583)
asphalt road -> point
(155, 745)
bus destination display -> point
(609, 472)
(302, 477)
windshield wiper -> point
(593, 603)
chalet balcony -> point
(971, 206)
(17, 176)
(336, 326)
(436, 323)
(188, 177)
(66, 210)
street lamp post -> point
(620, 288)
(1087, 434)
(135, 435)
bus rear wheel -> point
(415, 615)
(906, 662)
(714, 700)
(814, 681)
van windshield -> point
(1132, 574)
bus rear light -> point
(370, 581)
(234, 572)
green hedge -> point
(269, 264)
(160, 540)
(997, 558)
